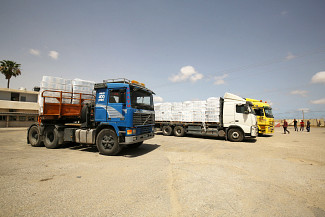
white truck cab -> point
(238, 113)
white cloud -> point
(318, 101)
(290, 56)
(319, 77)
(299, 92)
(303, 109)
(284, 13)
(34, 52)
(54, 54)
(220, 79)
(187, 73)
(158, 99)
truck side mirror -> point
(246, 110)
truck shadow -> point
(137, 152)
(126, 152)
(246, 140)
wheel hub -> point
(235, 135)
(108, 142)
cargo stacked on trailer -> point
(120, 114)
(231, 117)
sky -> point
(181, 49)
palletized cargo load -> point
(51, 87)
(230, 116)
(189, 111)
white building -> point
(18, 108)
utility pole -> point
(303, 115)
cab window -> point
(117, 96)
(240, 108)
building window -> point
(23, 98)
(3, 118)
(14, 96)
(12, 118)
(31, 118)
(22, 118)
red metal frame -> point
(60, 109)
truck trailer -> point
(231, 117)
(120, 113)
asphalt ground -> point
(279, 175)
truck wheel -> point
(107, 143)
(167, 130)
(51, 137)
(34, 137)
(135, 145)
(179, 131)
(235, 135)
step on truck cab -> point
(120, 114)
(231, 117)
(265, 118)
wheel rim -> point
(34, 135)
(107, 142)
(235, 135)
(179, 131)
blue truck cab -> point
(125, 107)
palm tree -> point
(9, 69)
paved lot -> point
(282, 175)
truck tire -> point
(235, 135)
(179, 131)
(107, 142)
(167, 130)
(34, 136)
(135, 145)
(51, 137)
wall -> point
(5, 95)
(313, 122)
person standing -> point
(302, 125)
(308, 126)
(285, 126)
(295, 124)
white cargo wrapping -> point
(189, 111)
(74, 87)
(54, 84)
(86, 88)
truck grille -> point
(143, 130)
(143, 119)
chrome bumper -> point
(138, 138)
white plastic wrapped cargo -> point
(189, 111)
(86, 88)
(54, 84)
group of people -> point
(295, 124)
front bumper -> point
(138, 138)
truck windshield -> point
(141, 99)
(268, 112)
(259, 111)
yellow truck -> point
(265, 119)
